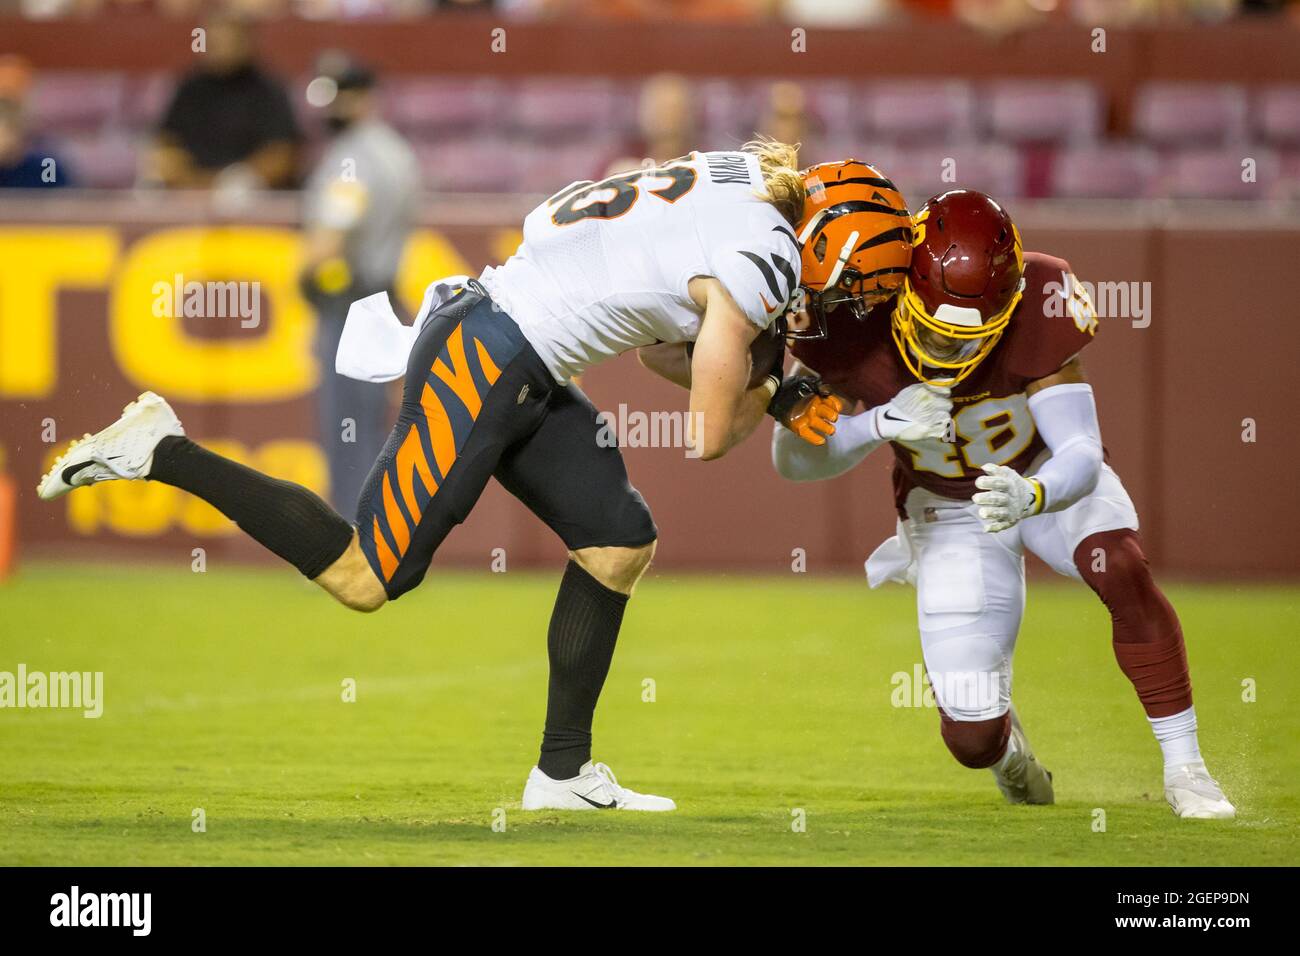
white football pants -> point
(970, 585)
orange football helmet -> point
(855, 241)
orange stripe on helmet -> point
(849, 206)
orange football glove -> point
(816, 421)
(806, 407)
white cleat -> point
(122, 450)
(594, 788)
(1194, 795)
(1019, 775)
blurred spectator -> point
(836, 13)
(358, 208)
(24, 164)
(229, 120)
(785, 116)
(667, 121)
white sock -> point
(1176, 735)
(1010, 752)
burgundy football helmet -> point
(965, 280)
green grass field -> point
(223, 692)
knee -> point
(976, 743)
(617, 568)
(1111, 561)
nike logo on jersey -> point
(598, 806)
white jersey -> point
(604, 267)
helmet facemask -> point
(951, 349)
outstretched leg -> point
(1148, 643)
(285, 518)
(148, 442)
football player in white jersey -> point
(703, 249)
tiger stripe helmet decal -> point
(855, 238)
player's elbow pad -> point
(1066, 417)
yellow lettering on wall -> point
(506, 242)
(34, 264)
(146, 509)
(269, 362)
(427, 256)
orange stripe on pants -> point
(387, 563)
(444, 439)
(458, 377)
(401, 533)
(410, 459)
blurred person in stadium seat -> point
(358, 206)
(836, 13)
(229, 120)
(666, 119)
(785, 116)
(24, 164)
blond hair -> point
(779, 163)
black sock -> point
(580, 644)
(284, 517)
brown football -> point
(762, 355)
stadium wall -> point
(80, 335)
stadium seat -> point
(1190, 114)
(553, 109)
(469, 164)
(546, 170)
(101, 160)
(67, 101)
(1217, 174)
(1043, 111)
(920, 111)
(728, 112)
(921, 172)
(146, 99)
(1277, 115)
(440, 104)
(1104, 170)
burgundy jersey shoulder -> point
(857, 358)
(1053, 323)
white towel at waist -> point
(375, 345)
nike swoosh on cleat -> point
(598, 806)
(71, 472)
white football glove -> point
(1006, 497)
(916, 413)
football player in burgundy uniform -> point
(973, 375)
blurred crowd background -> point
(323, 151)
(233, 118)
(987, 14)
